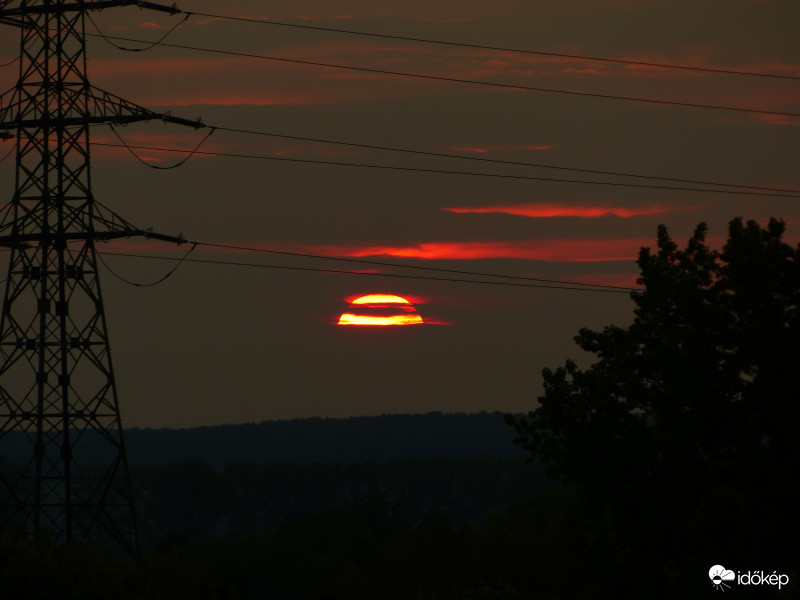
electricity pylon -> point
(57, 385)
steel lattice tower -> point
(56, 378)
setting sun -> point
(381, 310)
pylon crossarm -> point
(20, 240)
(117, 110)
(105, 107)
(6, 13)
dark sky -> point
(221, 344)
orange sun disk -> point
(381, 310)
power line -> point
(782, 192)
(143, 49)
(405, 266)
(363, 261)
(439, 155)
(447, 172)
(502, 162)
(159, 167)
(507, 86)
(390, 275)
(152, 283)
(498, 48)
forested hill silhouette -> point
(311, 440)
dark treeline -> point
(301, 441)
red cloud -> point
(571, 210)
(609, 279)
(563, 250)
(583, 71)
(240, 80)
(238, 99)
(487, 149)
(473, 149)
(179, 140)
(139, 245)
(776, 119)
(145, 142)
(776, 68)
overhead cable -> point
(395, 265)
(149, 45)
(368, 274)
(189, 154)
(403, 266)
(503, 162)
(452, 172)
(639, 63)
(492, 84)
(152, 283)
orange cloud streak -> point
(565, 210)
(563, 250)
(237, 84)
(776, 119)
(610, 279)
(484, 150)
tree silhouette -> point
(682, 438)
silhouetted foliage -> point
(298, 441)
(247, 497)
(682, 438)
(368, 550)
